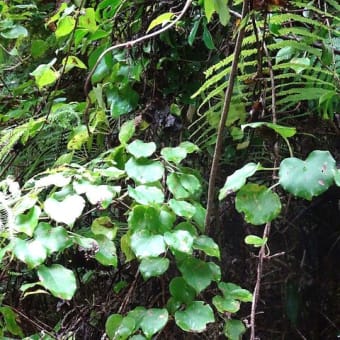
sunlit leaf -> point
(153, 266)
(59, 280)
(195, 317)
(160, 20)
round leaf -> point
(226, 304)
(207, 245)
(144, 170)
(195, 317)
(183, 185)
(255, 240)
(66, 211)
(180, 240)
(182, 208)
(59, 280)
(26, 223)
(52, 238)
(145, 245)
(233, 329)
(175, 155)
(308, 178)
(153, 266)
(140, 149)
(181, 291)
(33, 253)
(144, 194)
(258, 203)
(153, 321)
(118, 327)
(106, 255)
(196, 273)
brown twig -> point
(224, 116)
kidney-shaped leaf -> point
(196, 273)
(259, 204)
(118, 327)
(146, 245)
(59, 280)
(26, 223)
(140, 149)
(52, 238)
(66, 211)
(181, 291)
(195, 317)
(144, 194)
(180, 240)
(33, 253)
(308, 178)
(153, 266)
(144, 170)
(233, 329)
(153, 321)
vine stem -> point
(256, 292)
(131, 43)
(223, 119)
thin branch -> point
(133, 42)
(224, 116)
(256, 293)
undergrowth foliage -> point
(81, 176)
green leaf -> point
(255, 240)
(207, 38)
(15, 32)
(189, 147)
(144, 170)
(235, 181)
(88, 20)
(182, 208)
(66, 211)
(80, 136)
(233, 291)
(44, 75)
(179, 240)
(122, 100)
(107, 254)
(226, 304)
(104, 226)
(336, 173)
(207, 245)
(196, 273)
(151, 218)
(209, 9)
(183, 185)
(181, 291)
(195, 317)
(308, 178)
(144, 194)
(161, 20)
(10, 321)
(175, 155)
(71, 62)
(233, 329)
(127, 130)
(59, 280)
(58, 180)
(259, 204)
(283, 131)
(144, 244)
(300, 64)
(65, 26)
(221, 7)
(33, 253)
(26, 223)
(153, 321)
(118, 327)
(52, 238)
(140, 149)
(193, 33)
(137, 314)
(153, 266)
